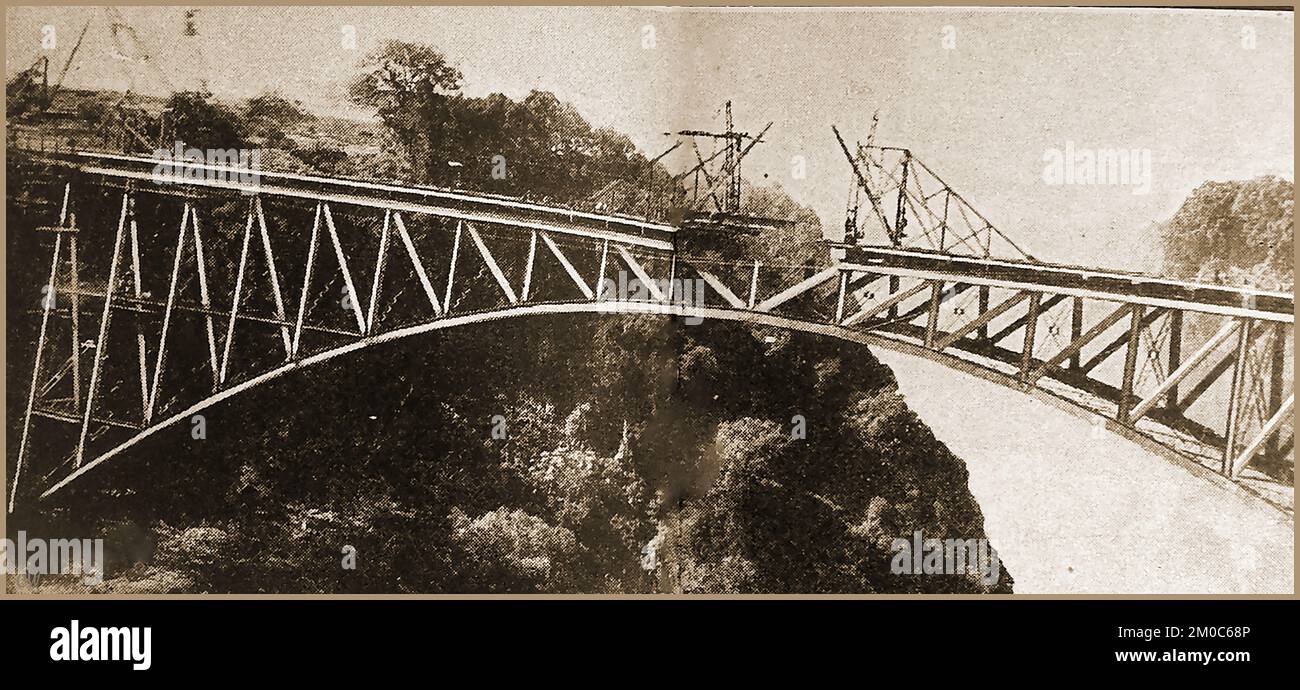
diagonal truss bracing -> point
(995, 315)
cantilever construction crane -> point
(927, 213)
(711, 215)
(735, 146)
(29, 93)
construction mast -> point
(735, 146)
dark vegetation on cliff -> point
(640, 454)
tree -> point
(511, 551)
(200, 122)
(1235, 232)
(409, 85)
(270, 115)
(323, 158)
(274, 107)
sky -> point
(981, 96)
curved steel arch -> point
(639, 308)
(842, 300)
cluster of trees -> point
(539, 147)
(1239, 232)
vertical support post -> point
(381, 258)
(1234, 398)
(306, 282)
(1175, 354)
(900, 218)
(672, 278)
(1031, 330)
(932, 322)
(600, 276)
(102, 341)
(753, 286)
(528, 270)
(74, 296)
(893, 289)
(353, 297)
(839, 299)
(205, 299)
(1276, 366)
(47, 304)
(167, 315)
(1130, 364)
(451, 272)
(239, 292)
(984, 307)
(139, 328)
(74, 282)
(943, 232)
(1076, 328)
(275, 277)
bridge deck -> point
(1246, 400)
(1079, 281)
(447, 203)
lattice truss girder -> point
(1224, 379)
(226, 289)
(212, 294)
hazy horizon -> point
(1013, 84)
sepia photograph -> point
(334, 300)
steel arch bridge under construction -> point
(245, 279)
